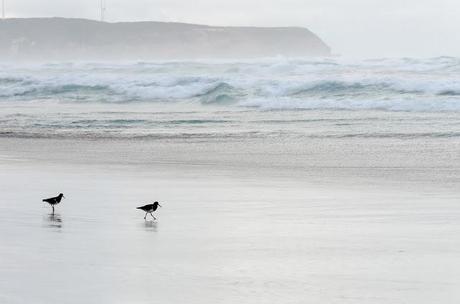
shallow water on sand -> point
(227, 232)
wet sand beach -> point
(238, 224)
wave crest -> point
(392, 84)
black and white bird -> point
(54, 200)
(148, 209)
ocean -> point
(282, 181)
(274, 97)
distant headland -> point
(52, 39)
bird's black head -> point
(61, 195)
(157, 204)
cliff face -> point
(78, 39)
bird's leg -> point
(53, 208)
(152, 216)
(145, 217)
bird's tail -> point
(138, 207)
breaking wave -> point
(404, 84)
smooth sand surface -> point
(226, 233)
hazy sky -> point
(369, 28)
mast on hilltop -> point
(103, 8)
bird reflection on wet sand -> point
(53, 220)
(150, 226)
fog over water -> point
(378, 28)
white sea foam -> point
(404, 84)
(232, 100)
